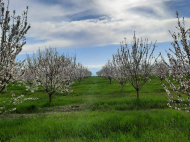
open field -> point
(95, 111)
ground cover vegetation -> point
(95, 111)
(98, 109)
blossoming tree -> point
(120, 74)
(136, 63)
(179, 60)
(51, 71)
(107, 71)
(81, 72)
(10, 47)
(160, 70)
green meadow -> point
(95, 111)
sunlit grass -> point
(148, 125)
(95, 111)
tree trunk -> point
(79, 80)
(110, 80)
(137, 94)
(50, 98)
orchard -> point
(134, 97)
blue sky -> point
(93, 29)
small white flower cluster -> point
(167, 80)
(180, 99)
(31, 88)
(148, 79)
(167, 91)
(14, 101)
(31, 99)
(174, 102)
(173, 86)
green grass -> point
(95, 111)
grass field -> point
(95, 111)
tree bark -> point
(110, 80)
(137, 94)
(50, 98)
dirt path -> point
(44, 112)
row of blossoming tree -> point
(53, 72)
(136, 67)
(48, 69)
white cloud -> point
(150, 19)
(94, 66)
(29, 49)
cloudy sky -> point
(93, 29)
